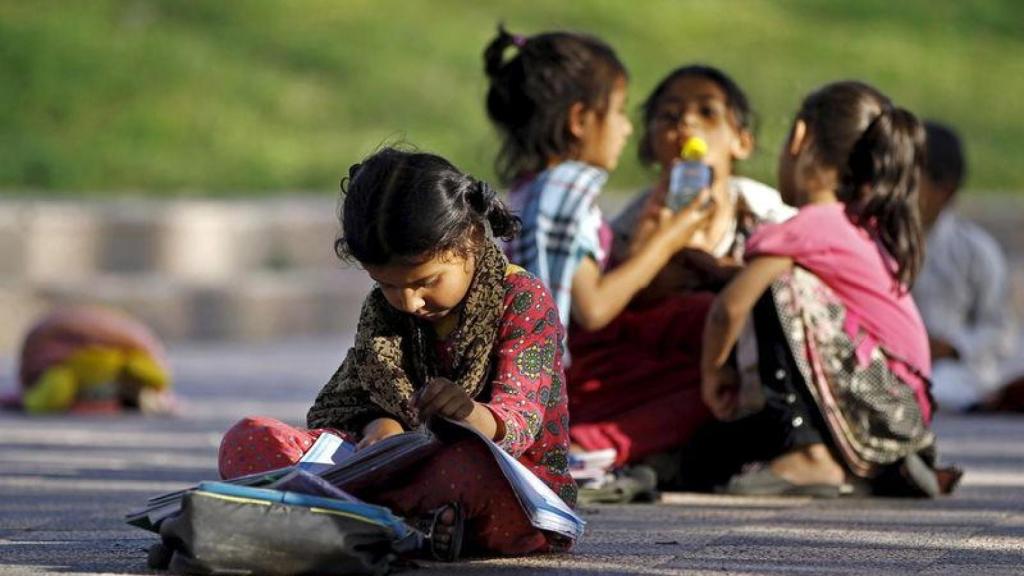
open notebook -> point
(337, 462)
(545, 509)
(330, 457)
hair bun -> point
(480, 197)
(483, 200)
(494, 54)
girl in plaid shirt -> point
(559, 103)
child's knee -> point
(258, 444)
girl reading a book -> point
(451, 330)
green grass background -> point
(224, 98)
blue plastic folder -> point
(376, 514)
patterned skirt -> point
(873, 416)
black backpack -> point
(230, 529)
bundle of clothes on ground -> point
(89, 359)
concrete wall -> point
(244, 270)
(238, 270)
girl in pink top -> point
(835, 347)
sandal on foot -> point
(429, 523)
(764, 482)
(915, 476)
(920, 477)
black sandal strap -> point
(451, 551)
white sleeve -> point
(989, 334)
(588, 239)
(763, 201)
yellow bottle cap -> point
(695, 148)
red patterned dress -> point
(526, 394)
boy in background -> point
(963, 288)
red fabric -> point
(258, 444)
(463, 472)
(635, 384)
(526, 392)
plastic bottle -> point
(689, 175)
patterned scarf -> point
(393, 355)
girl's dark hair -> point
(735, 99)
(877, 150)
(411, 206)
(531, 93)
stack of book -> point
(592, 469)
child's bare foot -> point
(808, 465)
(443, 530)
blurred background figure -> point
(963, 290)
(90, 359)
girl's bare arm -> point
(725, 320)
(598, 298)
